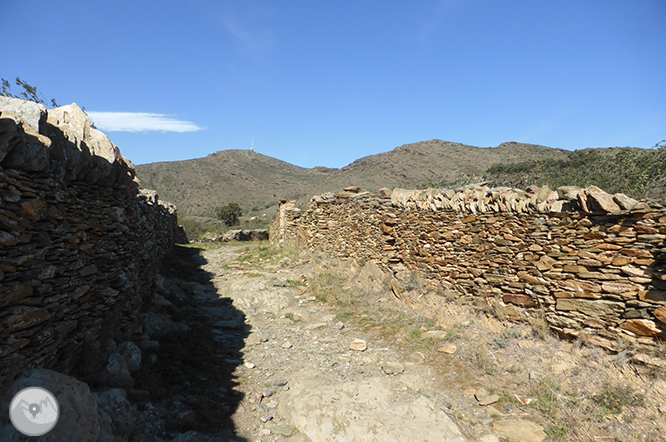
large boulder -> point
(86, 152)
(21, 146)
(60, 142)
(84, 416)
(28, 112)
(78, 419)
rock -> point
(157, 325)
(21, 146)
(545, 263)
(448, 349)
(624, 202)
(384, 193)
(481, 394)
(362, 411)
(79, 418)
(519, 431)
(84, 152)
(315, 325)
(345, 194)
(490, 399)
(535, 376)
(520, 300)
(400, 196)
(489, 438)
(229, 323)
(272, 404)
(287, 344)
(117, 373)
(648, 360)
(641, 327)
(603, 343)
(256, 338)
(185, 437)
(633, 271)
(600, 201)
(596, 308)
(339, 325)
(484, 398)
(660, 314)
(132, 355)
(283, 430)
(29, 113)
(568, 193)
(358, 345)
(117, 415)
(240, 235)
(435, 334)
(392, 368)
(619, 287)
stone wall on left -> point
(80, 243)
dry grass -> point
(576, 392)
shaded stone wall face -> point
(78, 255)
(604, 274)
(284, 225)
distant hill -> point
(257, 182)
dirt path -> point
(367, 366)
(300, 379)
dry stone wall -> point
(595, 263)
(80, 244)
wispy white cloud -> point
(252, 42)
(140, 122)
(436, 18)
(247, 25)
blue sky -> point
(323, 83)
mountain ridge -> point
(257, 182)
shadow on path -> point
(190, 377)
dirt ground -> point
(293, 373)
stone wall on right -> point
(595, 263)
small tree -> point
(29, 92)
(230, 213)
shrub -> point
(229, 214)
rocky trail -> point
(306, 376)
(254, 354)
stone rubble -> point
(237, 235)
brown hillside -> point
(257, 182)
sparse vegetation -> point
(508, 335)
(638, 173)
(28, 92)
(613, 398)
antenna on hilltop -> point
(252, 146)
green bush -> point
(229, 214)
